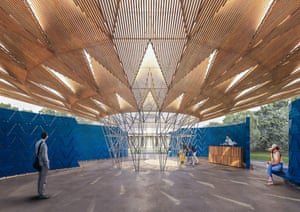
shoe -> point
(270, 182)
(43, 197)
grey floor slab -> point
(100, 186)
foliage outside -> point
(265, 156)
(8, 106)
(48, 112)
(268, 125)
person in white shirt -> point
(41, 150)
(229, 142)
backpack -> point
(36, 164)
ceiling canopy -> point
(94, 58)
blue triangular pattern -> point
(69, 142)
(27, 116)
(41, 119)
(19, 132)
(37, 129)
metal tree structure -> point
(116, 139)
(175, 132)
(146, 135)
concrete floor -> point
(98, 186)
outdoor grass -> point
(265, 156)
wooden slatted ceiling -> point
(17, 16)
(106, 54)
(75, 29)
(92, 10)
(21, 49)
(84, 56)
(105, 80)
(211, 37)
(168, 54)
(195, 80)
(190, 12)
(131, 53)
(109, 10)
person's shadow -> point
(33, 198)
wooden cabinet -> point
(226, 155)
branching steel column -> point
(116, 139)
(126, 131)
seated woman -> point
(275, 165)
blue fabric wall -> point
(89, 141)
(294, 142)
(202, 138)
(68, 141)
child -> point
(181, 157)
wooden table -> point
(226, 155)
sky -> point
(26, 106)
(21, 105)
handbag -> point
(36, 164)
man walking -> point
(41, 150)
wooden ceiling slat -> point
(200, 46)
(131, 54)
(20, 19)
(92, 10)
(106, 55)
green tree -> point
(237, 117)
(47, 111)
(8, 106)
(241, 117)
(214, 124)
(273, 125)
(267, 126)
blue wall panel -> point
(70, 142)
(202, 138)
(90, 142)
(67, 142)
(294, 141)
